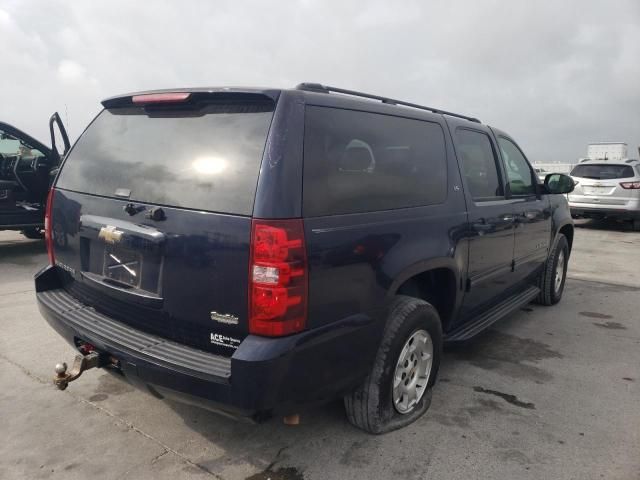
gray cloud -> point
(556, 75)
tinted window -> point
(602, 171)
(208, 161)
(478, 164)
(517, 168)
(361, 162)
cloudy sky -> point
(555, 74)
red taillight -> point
(277, 278)
(630, 185)
(169, 97)
(48, 235)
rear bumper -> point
(264, 375)
(604, 212)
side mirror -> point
(558, 183)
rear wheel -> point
(398, 389)
(554, 274)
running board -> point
(469, 330)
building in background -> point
(543, 169)
(607, 151)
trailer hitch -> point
(80, 364)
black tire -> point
(635, 225)
(33, 233)
(370, 407)
(549, 293)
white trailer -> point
(607, 151)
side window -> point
(518, 169)
(362, 162)
(479, 164)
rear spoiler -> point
(190, 97)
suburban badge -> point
(224, 318)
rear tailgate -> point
(152, 216)
(600, 184)
(605, 192)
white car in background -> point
(607, 189)
(541, 173)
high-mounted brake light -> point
(277, 278)
(630, 185)
(48, 233)
(170, 97)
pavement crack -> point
(131, 426)
(24, 370)
(507, 397)
(18, 291)
(276, 459)
(158, 457)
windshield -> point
(206, 160)
(11, 146)
(602, 171)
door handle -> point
(508, 218)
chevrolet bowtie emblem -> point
(110, 234)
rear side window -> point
(479, 164)
(602, 171)
(209, 159)
(362, 162)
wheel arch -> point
(437, 281)
(567, 229)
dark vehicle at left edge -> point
(27, 169)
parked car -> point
(27, 167)
(541, 173)
(607, 189)
(258, 251)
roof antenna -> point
(66, 116)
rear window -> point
(602, 171)
(362, 162)
(208, 160)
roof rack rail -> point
(317, 87)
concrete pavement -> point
(546, 393)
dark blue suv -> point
(261, 250)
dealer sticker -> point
(224, 340)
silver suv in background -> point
(607, 189)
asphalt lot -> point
(546, 393)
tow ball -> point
(80, 364)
